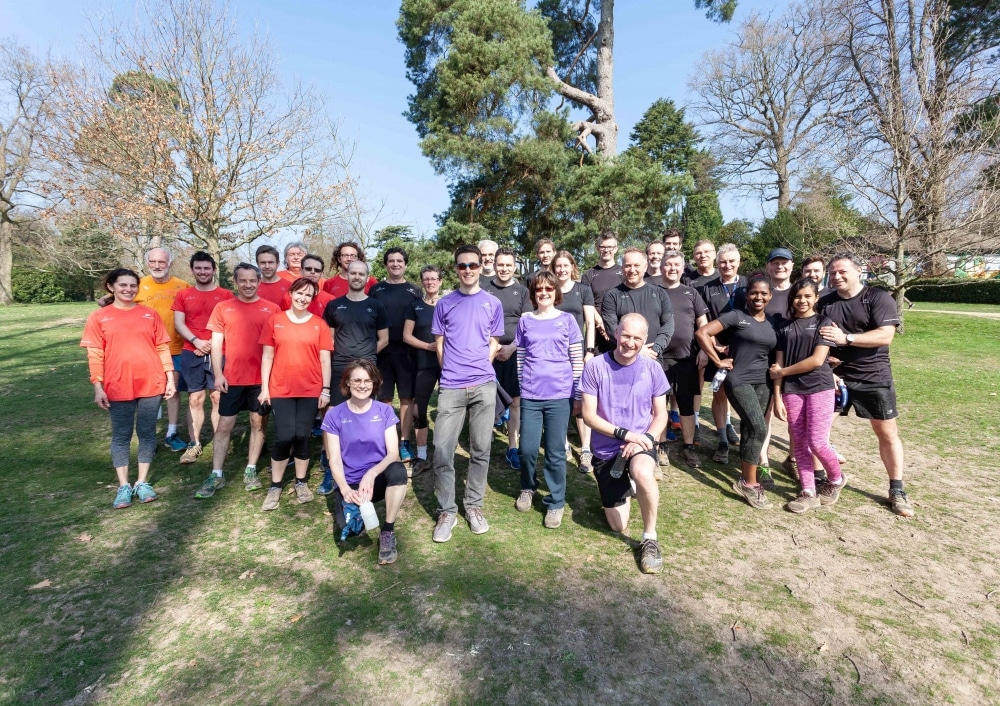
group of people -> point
(621, 352)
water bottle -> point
(369, 516)
(618, 467)
(718, 379)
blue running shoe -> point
(144, 492)
(514, 459)
(671, 435)
(174, 443)
(123, 498)
(326, 487)
(317, 430)
(405, 454)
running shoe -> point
(272, 500)
(671, 434)
(445, 524)
(317, 430)
(721, 454)
(405, 454)
(302, 492)
(765, 478)
(803, 503)
(250, 480)
(553, 518)
(691, 457)
(514, 459)
(175, 443)
(731, 436)
(650, 558)
(326, 487)
(387, 548)
(829, 492)
(418, 466)
(123, 498)
(211, 484)
(477, 523)
(192, 454)
(900, 505)
(675, 421)
(523, 502)
(586, 461)
(753, 495)
(144, 492)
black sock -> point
(299, 480)
(688, 446)
(388, 526)
(275, 485)
(895, 485)
(820, 475)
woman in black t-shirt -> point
(751, 338)
(417, 334)
(807, 400)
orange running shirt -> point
(337, 286)
(241, 323)
(274, 291)
(197, 307)
(159, 298)
(316, 306)
(128, 337)
(296, 371)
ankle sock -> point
(896, 485)
(171, 429)
(388, 526)
(422, 452)
(649, 535)
(217, 472)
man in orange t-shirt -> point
(294, 252)
(192, 309)
(312, 269)
(236, 356)
(272, 286)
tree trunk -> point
(899, 292)
(607, 139)
(784, 189)
(6, 263)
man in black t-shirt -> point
(515, 300)
(779, 271)
(864, 324)
(601, 278)
(704, 264)
(654, 261)
(396, 363)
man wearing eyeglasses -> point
(467, 325)
(602, 278)
(312, 269)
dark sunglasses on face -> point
(312, 269)
(467, 266)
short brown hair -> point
(302, 283)
(548, 278)
(366, 365)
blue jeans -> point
(480, 402)
(553, 415)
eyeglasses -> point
(545, 289)
(312, 269)
(362, 383)
(466, 266)
(607, 247)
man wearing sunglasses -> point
(467, 325)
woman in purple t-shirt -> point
(549, 363)
(361, 443)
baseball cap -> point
(780, 252)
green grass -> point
(190, 602)
(949, 306)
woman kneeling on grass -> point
(129, 358)
(363, 448)
(751, 338)
(294, 368)
(807, 401)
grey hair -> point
(246, 266)
(297, 244)
(728, 247)
(673, 253)
(170, 255)
(845, 256)
(487, 242)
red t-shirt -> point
(241, 323)
(197, 307)
(290, 278)
(316, 306)
(274, 291)
(296, 371)
(128, 337)
(338, 286)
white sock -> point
(729, 420)
(585, 450)
(171, 429)
(217, 472)
(649, 535)
(422, 452)
(251, 467)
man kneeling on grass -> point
(624, 402)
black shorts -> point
(181, 385)
(238, 398)
(398, 369)
(394, 474)
(615, 492)
(197, 371)
(506, 371)
(871, 400)
(683, 378)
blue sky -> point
(349, 51)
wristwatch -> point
(850, 339)
(591, 350)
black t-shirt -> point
(698, 281)
(574, 300)
(690, 275)
(778, 306)
(868, 310)
(601, 280)
(355, 328)
(750, 345)
(650, 301)
(721, 298)
(515, 300)
(688, 306)
(395, 298)
(654, 279)
(797, 339)
(422, 315)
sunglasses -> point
(545, 289)
(312, 269)
(467, 266)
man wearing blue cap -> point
(779, 271)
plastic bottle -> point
(720, 376)
(369, 516)
(618, 467)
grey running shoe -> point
(754, 496)
(586, 461)
(791, 467)
(477, 523)
(765, 478)
(721, 454)
(250, 479)
(650, 558)
(302, 492)
(272, 500)
(829, 493)
(523, 502)
(803, 503)
(446, 521)
(387, 548)
(731, 436)
(691, 457)
(553, 518)
(900, 505)
(211, 484)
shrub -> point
(957, 291)
(34, 287)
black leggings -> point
(751, 403)
(423, 389)
(293, 422)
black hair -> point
(202, 256)
(317, 258)
(265, 249)
(804, 283)
(393, 251)
(464, 249)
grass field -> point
(184, 601)
(948, 306)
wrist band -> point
(621, 433)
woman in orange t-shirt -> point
(128, 352)
(294, 375)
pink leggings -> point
(809, 420)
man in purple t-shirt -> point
(625, 403)
(467, 324)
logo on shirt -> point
(376, 418)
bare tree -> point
(767, 97)
(26, 92)
(905, 150)
(182, 128)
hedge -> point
(962, 291)
(34, 287)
